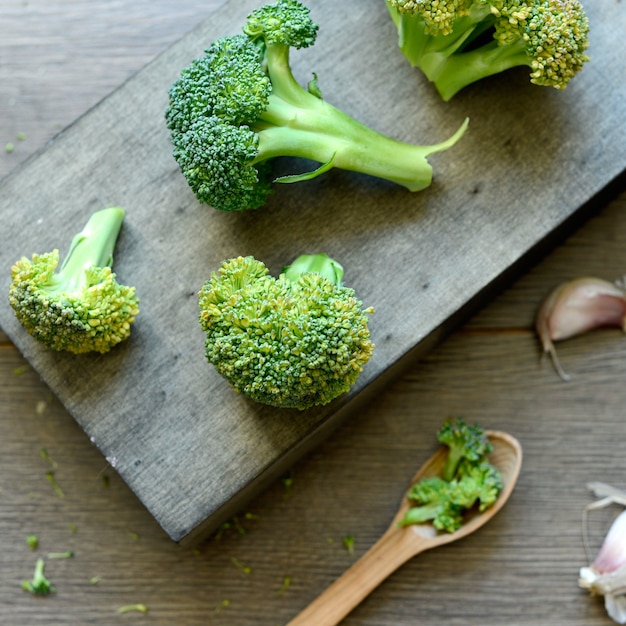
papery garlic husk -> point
(606, 576)
(576, 307)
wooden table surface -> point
(60, 57)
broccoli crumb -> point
(55, 485)
(222, 605)
(43, 453)
(244, 568)
(285, 585)
(129, 608)
(69, 554)
(32, 541)
(348, 543)
(39, 585)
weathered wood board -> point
(191, 449)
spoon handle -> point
(392, 550)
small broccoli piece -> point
(238, 107)
(480, 481)
(436, 502)
(468, 480)
(81, 307)
(464, 441)
(458, 42)
(39, 585)
(296, 341)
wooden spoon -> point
(400, 543)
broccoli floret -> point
(296, 341)
(436, 501)
(458, 42)
(235, 109)
(464, 441)
(81, 307)
(480, 481)
(467, 481)
(39, 585)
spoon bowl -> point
(400, 543)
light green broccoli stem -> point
(321, 264)
(448, 60)
(297, 123)
(452, 73)
(92, 247)
(416, 39)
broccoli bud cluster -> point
(295, 341)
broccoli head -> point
(81, 307)
(296, 341)
(458, 42)
(238, 107)
(464, 441)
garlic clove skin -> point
(576, 307)
(612, 554)
(606, 576)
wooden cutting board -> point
(193, 451)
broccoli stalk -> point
(459, 42)
(239, 106)
(320, 264)
(295, 341)
(81, 307)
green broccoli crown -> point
(288, 342)
(215, 157)
(458, 42)
(464, 441)
(228, 82)
(81, 307)
(239, 106)
(286, 23)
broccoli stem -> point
(321, 264)
(297, 123)
(452, 73)
(420, 514)
(93, 246)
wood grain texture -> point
(190, 449)
(523, 568)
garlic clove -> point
(606, 576)
(612, 554)
(578, 306)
